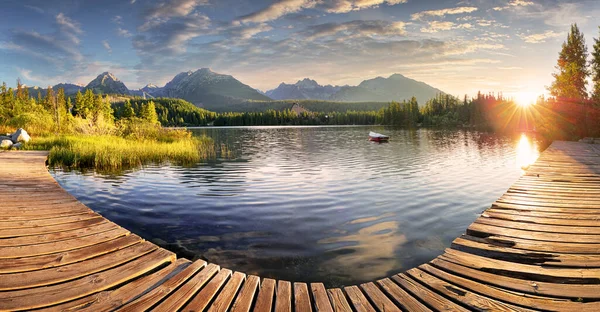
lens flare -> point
(527, 152)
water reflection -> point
(314, 204)
(527, 152)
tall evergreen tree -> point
(572, 66)
(148, 112)
(78, 105)
(127, 110)
(596, 71)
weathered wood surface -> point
(536, 248)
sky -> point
(458, 46)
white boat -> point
(378, 137)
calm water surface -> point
(314, 203)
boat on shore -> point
(378, 137)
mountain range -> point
(211, 90)
(394, 88)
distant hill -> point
(69, 88)
(394, 88)
(207, 89)
(107, 83)
(303, 89)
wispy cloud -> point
(106, 46)
(436, 26)
(123, 32)
(514, 4)
(443, 12)
(277, 10)
(34, 8)
(118, 19)
(539, 38)
(345, 6)
(357, 28)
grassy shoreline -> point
(115, 153)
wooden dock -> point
(536, 248)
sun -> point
(525, 99)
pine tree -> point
(572, 66)
(61, 109)
(78, 105)
(148, 112)
(596, 71)
(127, 111)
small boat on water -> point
(378, 137)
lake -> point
(314, 203)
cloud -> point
(277, 10)
(540, 37)
(167, 28)
(62, 45)
(69, 28)
(168, 9)
(285, 7)
(34, 8)
(443, 12)
(345, 6)
(118, 19)
(357, 28)
(106, 46)
(436, 26)
(514, 4)
(171, 38)
(123, 32)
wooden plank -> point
(490, 230)
(55, 237)
(381, 301)
(149, 299)
(61, 246)
(401, 297)
(481, 247)
(434, 300)
(359, 301)
(338, 300)
(206, 295)
(473, 300)
(542, 220)
(110, 300)
(28, 299)
(283, 297)
(45, 222)
(59, 259)
(319, 294)
(525, 270)
(228, 293)
(574, 291)
(177, 299)
(75, 270)
(244, 300)
(264, 301)
(531, 301)
(537, 227)
(545, 214)
(301, 298)
(5, 233)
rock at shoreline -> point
(21, 136)
(6, 144)
(3, 137)
(17, 146)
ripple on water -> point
(313, 204)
